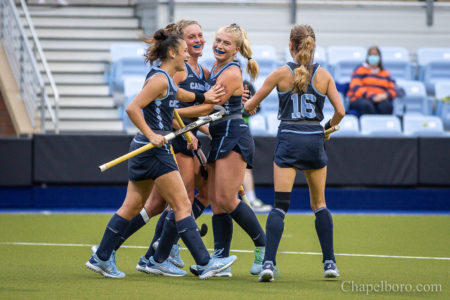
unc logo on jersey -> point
(173, 103)
(207, 86)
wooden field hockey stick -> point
(201, 121)
(331, 130)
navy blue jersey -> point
(302, 105)
(159, 113)
(234, 104)
(193, 83)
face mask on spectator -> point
(373, 59)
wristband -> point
(327, 125)
(199, 97)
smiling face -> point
(181, 56)
(224, 46)
(193, 36)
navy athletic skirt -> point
(231, 135)
(179, 145)
(152, 163)
(300, 146)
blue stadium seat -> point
(418, 125)
(328, 108)
(121, 50)
(396, 61)
(270, 103)
(257, 125)
(415, 99)
(434, 65)
(442, 91)
(272, 122)
(380, 125)
(207, 59)
(126, 66)
(342, 61)
(320, 56)
(132, 86)
(349, 126)
(266, 57)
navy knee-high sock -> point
(274, 231)
(158, 231)
(188, 231)
(113, 232)
(223, 232)
(246, 218)
(135, 224)
(324, 228)
(197, 208)
(168, 237)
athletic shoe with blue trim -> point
(214, 266)
(166, 268)
(142, 264)
(113, 254)
(257, 263)
(267, 273)
(174, 256)
(330, 269)
(106, 268)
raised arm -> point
(269, 84)
(155, 87)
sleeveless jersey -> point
(302, 105)
(192, 83)
(234, 104)
(159, 113)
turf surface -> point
(57, 272)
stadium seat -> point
(266, 57)
(434, 65)
(132, 86)
(121, 50)
(342, 61)
(257, 125)
(380, 125)
(396, 61)
(207, 59)
(349, 126)
(320, 56)
(126, 66)
(272, 123)
(442, 94)
(415, 99)
(418, 125)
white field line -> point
(234, 250)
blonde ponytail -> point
(304, 43)
(244, 48)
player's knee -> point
(282, 200)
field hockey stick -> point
(203, 170)
(330, 131)
(201, 121)
(244, 196)
(204, 228)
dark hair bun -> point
(160, 35)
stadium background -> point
(45, 171)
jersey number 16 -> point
(307, 109)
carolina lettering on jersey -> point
(302, 105)
(234, 104)
(192, 83)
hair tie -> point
(249, 58)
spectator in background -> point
(372, 89)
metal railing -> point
(22, 59)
